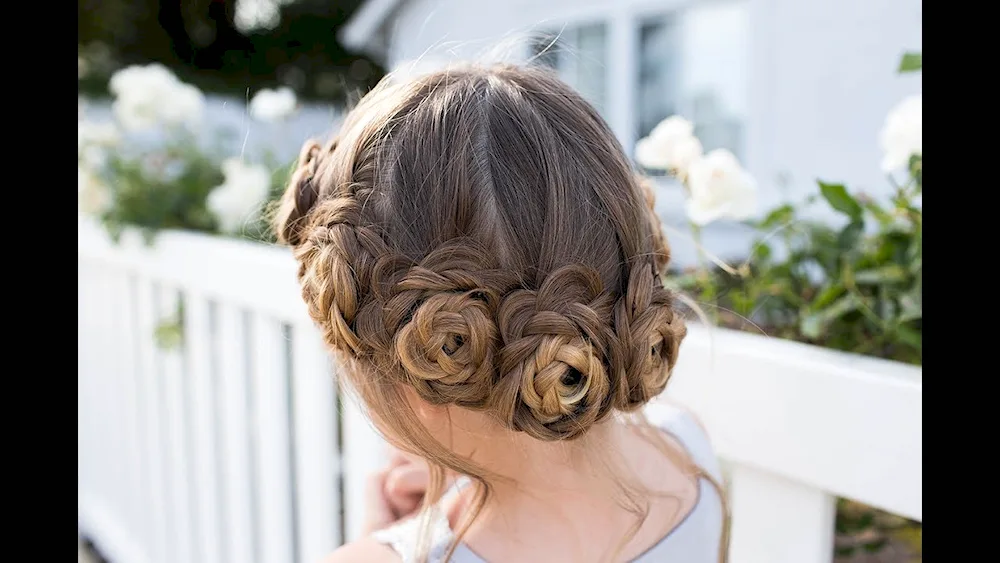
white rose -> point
(671, 145)
(94, 140)
(902, 135)
(240, 195)
(137, 94)
(258, 14)
(93, 157)
(674, 126)
(185, 106)
(720, 187)
(93, 195)
(676, 155)
(272, 105)
(102, 134)
(146, 96)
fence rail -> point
(233, 445)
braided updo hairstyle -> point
(478, 236)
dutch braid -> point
(550, 362)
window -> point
(579, 55)
(694, 63)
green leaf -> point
(778, 217)
(838, 198)
(886, 306)
(907, 335)
(891, 273)
(844, 550)
(883, 216)
(912, 310)
(169, 335)
(828, 294)
(917, 170)
(762, 251)
(742, 303)
(681, 282)
(866, 520)
(847, 273)
(910, 62)
(875, 545)
(912, 305)
(813, 325)
(848, 237)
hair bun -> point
(650, 333)
(555, 384)
(562, 374)
(447, 348)
(441, 312)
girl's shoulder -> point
(366, 549)
(686, 428)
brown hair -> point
(478, 236)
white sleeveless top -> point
(694, 540)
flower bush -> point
(148, 168)
(856, 287)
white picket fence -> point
(232, 448)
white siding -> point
(821, 79)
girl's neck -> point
(567, 501)
(546, 488)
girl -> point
(485, 265)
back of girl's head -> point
(478, 236)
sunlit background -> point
(783, 142)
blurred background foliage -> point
(203, 42)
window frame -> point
(572, 61)
(623, 21)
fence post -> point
(775, 520)
(155, 454)
(125, 341)
(173, 382)
(236, 463)
(317, 462)
(364, 451)
(274, 485)
(197, 346)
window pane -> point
(579, 55)
(694, 63)
(545, 50)
(659, 73)
(591, 66)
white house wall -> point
(822, 73)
